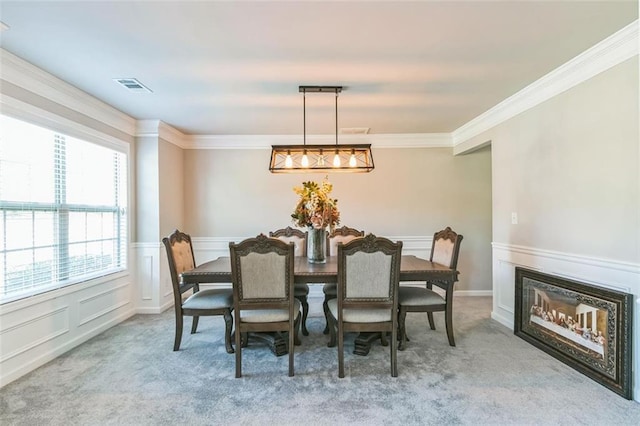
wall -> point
(570, 168)
(412, 193)
(171, 178)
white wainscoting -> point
(606, 273)
(35, 330)
(154, 292)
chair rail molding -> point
(208, 248)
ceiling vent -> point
(132, 85)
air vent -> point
(354, 130)
(133, 85)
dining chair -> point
(263, 291)
(343, 234)
(367, 296)
(201, 302)
(299, 239)
(444, 250)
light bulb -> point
(305, 159)
(336, 160)
(321, 159)
(352, 160)
(288, 162)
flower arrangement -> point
(315, 207)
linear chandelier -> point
(305, 158)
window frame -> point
(34, 115)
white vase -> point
(317, 245)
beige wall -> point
(569, 168)
(411, 192)
(171, 178)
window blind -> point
(63, 207)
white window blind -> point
(63, 206)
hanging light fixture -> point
(313, 158)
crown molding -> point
(610, 52)
(161, 130)
(404, 140)
(23, 74)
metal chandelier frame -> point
(349, 158)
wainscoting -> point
(606, 273)
(35, 330)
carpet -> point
(129, 375)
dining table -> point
(412, 269)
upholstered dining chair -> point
(444, 250)
(263, 291)
(201, 302)
(299, 239)
(343, 234)
(367, 297)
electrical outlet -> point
(514, 218)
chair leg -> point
(325, 307)
(449, 324)
(432, 324)
(178, 339)
(292, 338)
(394, 352)
(228, 323)
(332, 324)
(383, 339)
(340, 351)
(238, 352)
(402, 316)
(296, 332)
(305, 312)
(194, 324)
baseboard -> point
(502, 320)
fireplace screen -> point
(586, 327)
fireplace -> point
(585, 326)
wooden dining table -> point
(412, 268)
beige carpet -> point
(129, 375)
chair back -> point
(295, 236)
(343, 235)
(445, 248)
(181, 258)
(262, 274)
(369, 273)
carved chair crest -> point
(446, 234)
(288, 232)
(345, 231)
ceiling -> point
(233, 68)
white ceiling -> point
(233, 68)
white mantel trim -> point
(610, 52)
(23, 74)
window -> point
(63, 206)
